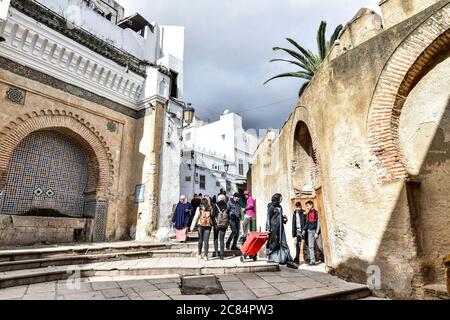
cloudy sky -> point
(229, 44)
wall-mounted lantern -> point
(188, 114)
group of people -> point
(214, 215)
(305, 229)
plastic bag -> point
(172, 232)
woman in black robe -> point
(277, 247)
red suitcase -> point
(253, 245)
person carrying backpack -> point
(221, 221)
(203, 218)
(234, 205)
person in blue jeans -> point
(234, 206)
(312, 232)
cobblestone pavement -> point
(288, 284)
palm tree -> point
(308, 61)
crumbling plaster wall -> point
(425, 145)
(368, 221)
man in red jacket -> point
(313, 230)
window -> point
(139, 193)
(188, 179)
(217, 184)
(223, 137)
(174, 84)
(188, 137)
(202, 182)
(241, 167)
(215, 167)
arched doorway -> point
(306, 179)
(424, 138)
(305, 162)
(47, 176)
(408, 133)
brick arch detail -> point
(407, 64)
(302, 115)
(100, 163)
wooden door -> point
(324, 227)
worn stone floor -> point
(288, 284)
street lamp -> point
(226, 166)
(188, 114)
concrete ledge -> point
(436, 292)
(357, 293)
(80, 249)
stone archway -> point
(75, 131)
(406, 132)
(305, 162)
(424, 136)
(304, 166)
(410, 62)
(305, 173)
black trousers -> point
(298, 248)
(219, 240)
(235, 225)
(203, 240)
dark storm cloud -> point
(228, 45)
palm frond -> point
(299, 74)
(321, 41)
(336, 34)
(308, 61)
(307, 64)
(297, 63)
(308, 54)
(303, 88)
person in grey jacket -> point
(313, 230)
(234, 206)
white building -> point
(216, 156)
(132, 68)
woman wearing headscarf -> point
(181, 218)
(277, 247)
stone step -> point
(193, 236)
(358, 293)
(63, 260)
(194, 245)
(140, 267)
(78, 250)
(372, 298)
(436, 291)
